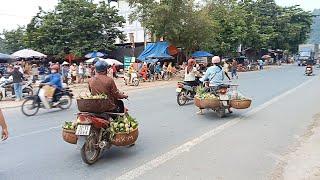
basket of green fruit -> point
(205, 100)
(94, 103)
(69, 133)
(124, 131)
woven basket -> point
(206, 103)
(69, 136)
(240, 104)
(125, 139)
(95, 105)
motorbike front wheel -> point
(30, 107)
(182, 98)
(90, 151)
(65, 102)
(27, 92)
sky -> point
(14, 13)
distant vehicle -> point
(308, 54)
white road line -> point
(33, 132)
(144, 168)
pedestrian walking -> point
(3, 124)
(17, 83)
(234, 66)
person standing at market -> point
(158, 70)
(17, 82)
(3, 124)
(35, 73)
(114, 69)
(102, 84)
(42, 72)
(81, 72)
(234, 67)
(65, 72)
(73, 71)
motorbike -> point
(186, 91)
(93, 135)
(7, 89)
(221, 92)
(32, 104)
(134, 79)
(309, 70)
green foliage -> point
(181, 22)
(13, 40)
(222, 25)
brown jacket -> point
(101, 83)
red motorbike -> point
(93, 135)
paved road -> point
(233, 148)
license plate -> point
(224, 97)
(178, 90)
(83, 130)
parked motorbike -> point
(309, 70)
(93, 135)
(186, 91)
(134, 79)
(32, 104)
(7, 89)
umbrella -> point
(113, 61)
(201, 54)
(93, 59)
(266, 56)
(28, 53)
(94, 54)
(5, 58)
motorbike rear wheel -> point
(30, 107)
(181, 98)
(90, 151)
(135, 82)
(221, 112)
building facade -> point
(134, 32)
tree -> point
(76, 26)
(181, 22)
(13, 40)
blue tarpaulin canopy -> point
(5, 58)
(154, 52)
(201, 54)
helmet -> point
(55, 67)
(216, 59)
(191, 62)
(101, 66)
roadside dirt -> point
(302, 162)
